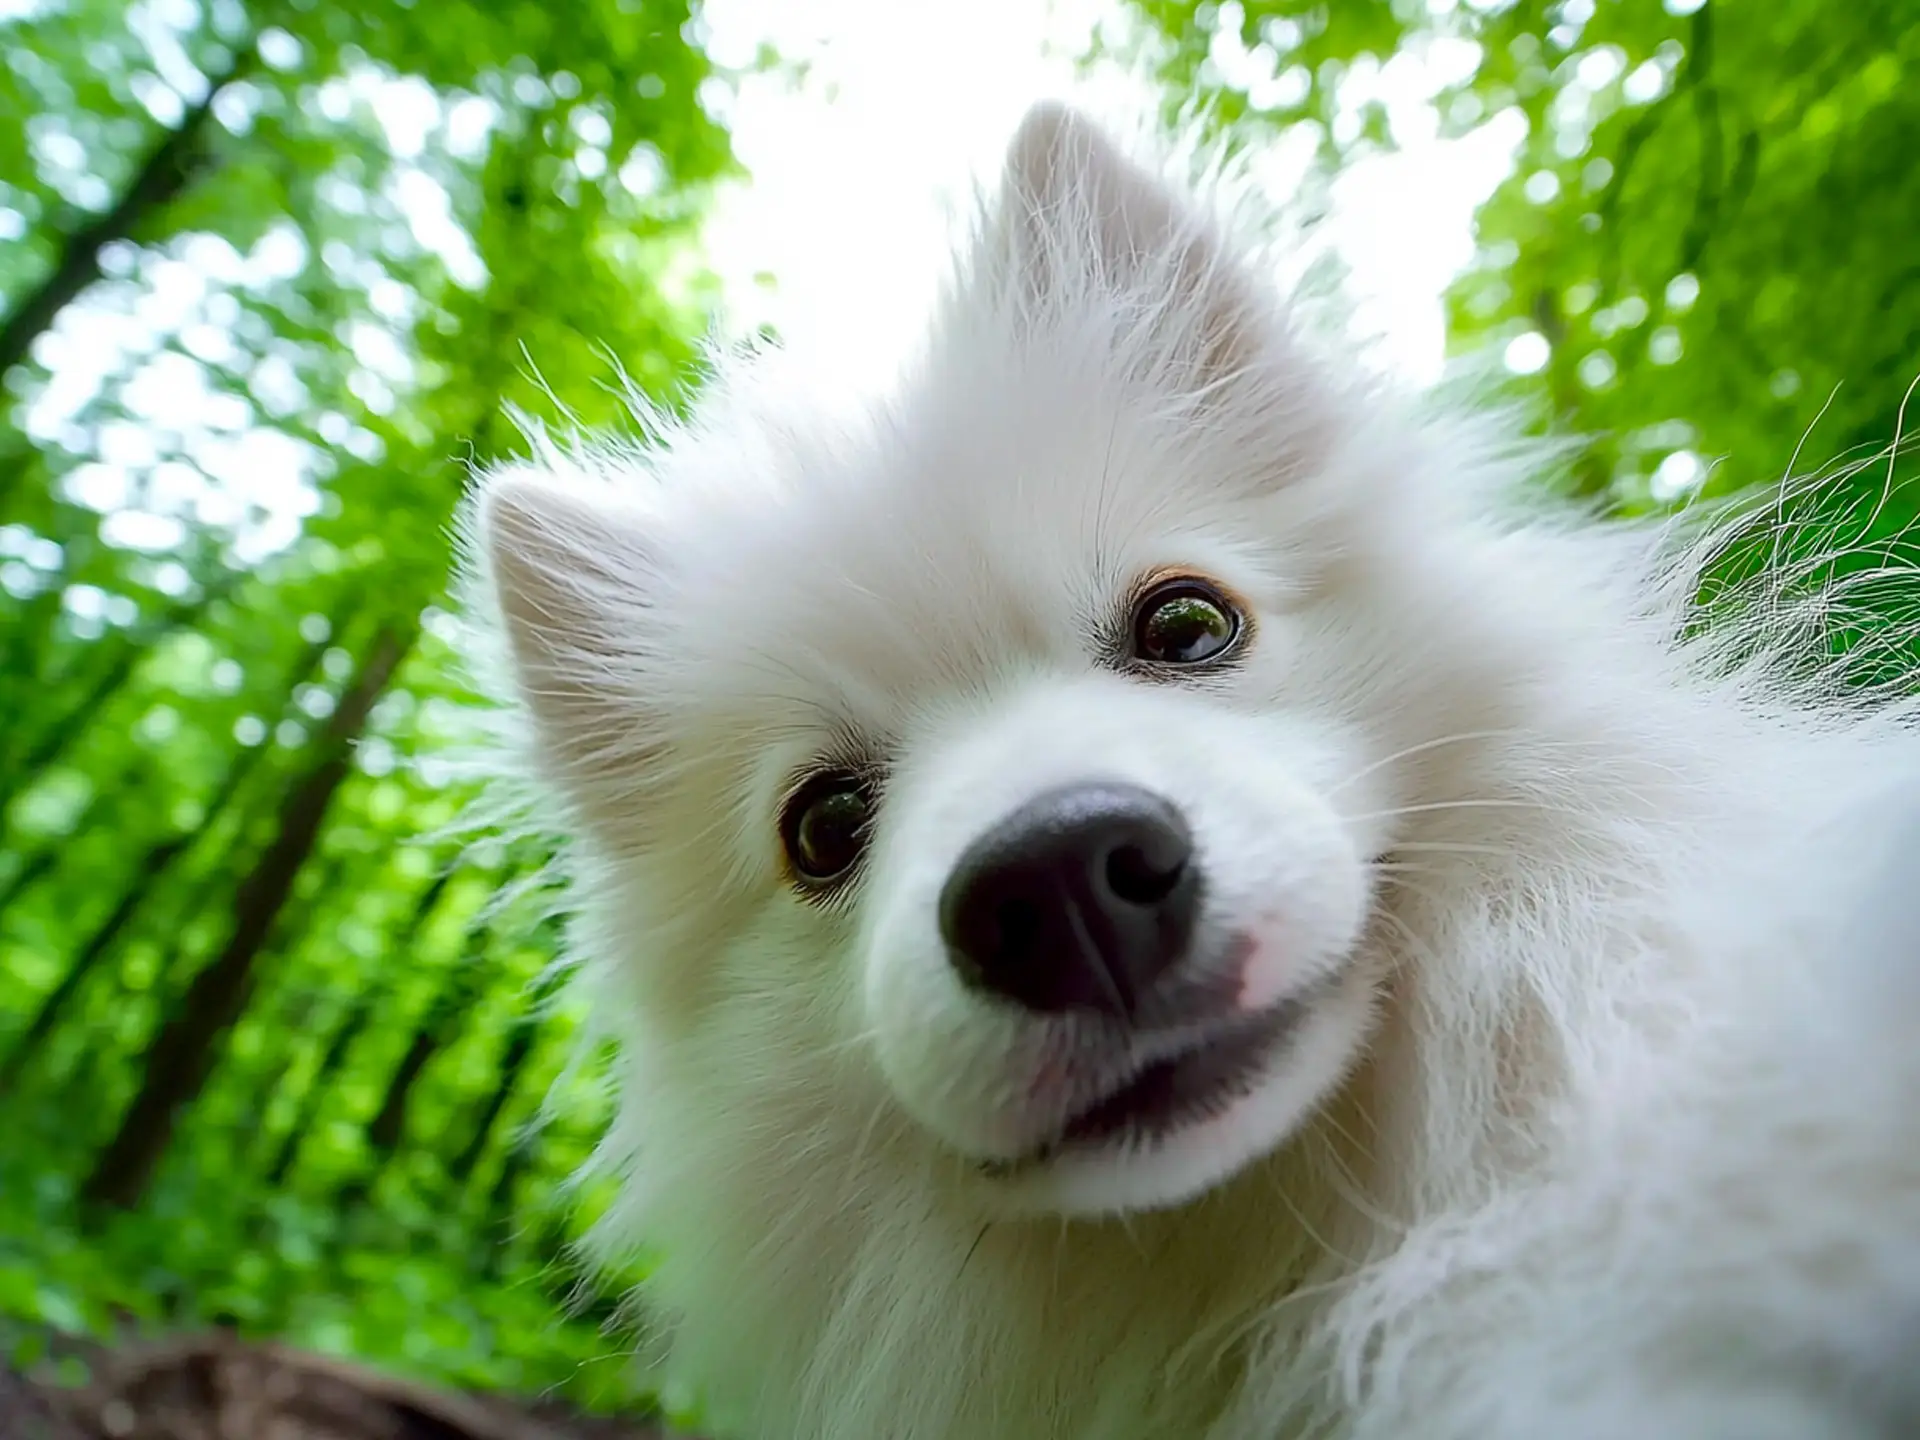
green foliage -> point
(270, 276)
(1708, 220)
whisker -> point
(1307, 1227)
(1479, 803)
(1460, 738)
(1421, 948)
(852, 1173)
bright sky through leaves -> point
(861, 145)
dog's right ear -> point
(1079, 223)
(1079, 210)
(574, 582)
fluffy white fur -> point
(1605, 1118)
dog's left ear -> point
(1079, 221)
(576, 583)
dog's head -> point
(1021, 743)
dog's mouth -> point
(1173, 1092)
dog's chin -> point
(1187, 1125)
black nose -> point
(1079, 900)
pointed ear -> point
(1080, 219)
(1073, 193)
(575, 585)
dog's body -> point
(1142, 897)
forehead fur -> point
(1107, 377)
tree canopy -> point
(1707, 225)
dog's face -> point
(1024, 741)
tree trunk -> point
(498, 1225)
(99, 809)
(301, 1013)
(30, 628)
(178, 1062)
(357, 1020)
(389, 1123)
(513, 1060)
(16, 462)
(77, 1080)
(157, 862)
(147, 875)
(62, 732)
(162, 177)
(37, 867)
(357, 1017)
(437, 1028)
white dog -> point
(1145, 893)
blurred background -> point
(273, 271)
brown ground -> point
(215, 1387)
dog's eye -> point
(825, 825)
(1183, 622)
